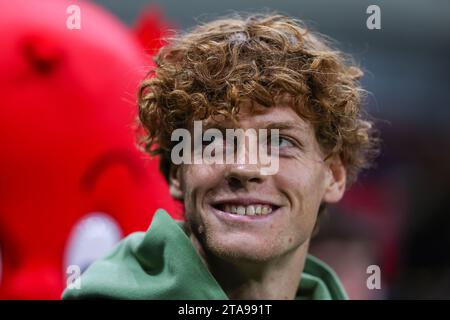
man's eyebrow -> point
(221, 126)
(283, 125)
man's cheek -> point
(198, 171)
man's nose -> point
(247, 167)
(240, 175)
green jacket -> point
(162, 263)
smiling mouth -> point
(246, 210)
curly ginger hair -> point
(210, 70)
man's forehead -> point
(280, 116)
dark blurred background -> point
(398, 215)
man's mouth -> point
(245, 206)
(248, 210)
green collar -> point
(163, 264)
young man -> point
(246, 232)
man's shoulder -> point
(160, 263)
(320, 282)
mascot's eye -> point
(92, 237)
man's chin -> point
(242, 250)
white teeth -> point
(264, 210)
(250, 210)
(241, 210)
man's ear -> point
(175, 182)
(336, 179)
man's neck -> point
(277, 279)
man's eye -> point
(283, 142)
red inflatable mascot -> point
(72, 182)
